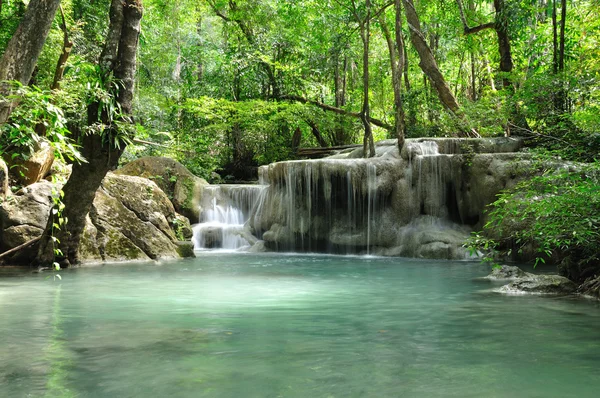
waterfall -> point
(422, 202)
(225, 210)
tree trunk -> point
(340, 99)
(102, 155)
(554, 39)
(397, 66)
(501, 27)
(317, 133)
(23, 49)
(428, 63)
(365, 32)
(563, 24)
(64, 56)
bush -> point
(556, 213)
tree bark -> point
(64, 56)
(396, 51)
(428, 63)
(563, 24)
(554, 39)
(23, 49)
(501, 27)
(365, 114)
(102, 152)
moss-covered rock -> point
(540, 284)
(132, 220)
(182, 187)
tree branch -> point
(466, 29)
(18, 248)
(339, 111)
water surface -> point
(231, 325)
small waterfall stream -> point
(225, 210)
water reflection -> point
(291, 326)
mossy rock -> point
(182, 187)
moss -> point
(185, 249)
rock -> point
(540, 284)
(3, 179)
(37, 166)
(186, 249)
(590, 288)
(182, 187)
(507, 272)
(183, 229)
(130, 219)
(23, 217)
(424, 202)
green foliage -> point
(556, 214)
(36, 117)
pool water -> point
(272, 325)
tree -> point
(397, 61)
(103, 145)
(428, 63)
(24, 48)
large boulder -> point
(181, 186)
(3, 179)
(23, 217)
(131, 219)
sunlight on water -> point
(226, 325)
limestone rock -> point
(182, 187)
(590, 288)
(37, 166)
(540, 284)
(3, 179)
(506, 272)
(186, 249)
(23, 217)
(132, 219)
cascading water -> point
(422, 202)
(224, 213)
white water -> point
(224, 213)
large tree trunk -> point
(23, 49)
(102, 154)
(428, 63)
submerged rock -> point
(182, 187)
(540, 284)
(507, 272)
